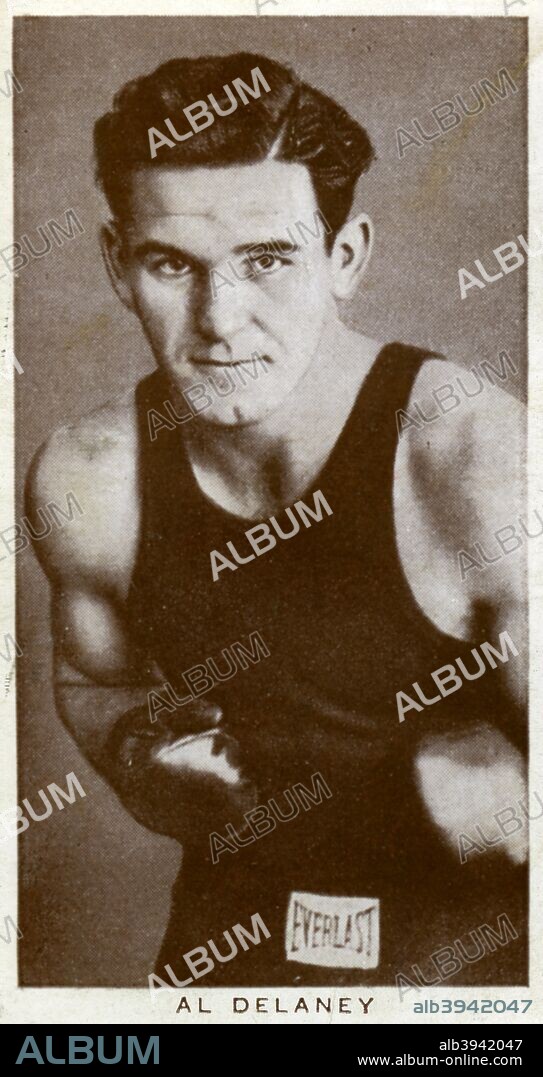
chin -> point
(236, 414)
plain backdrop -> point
(95, 885)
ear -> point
(111, 243)
(350, 255)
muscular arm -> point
(177, 773)
(466, 482)
(98, 672)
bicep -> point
(469, 473)
(99, 673)
(494, 572)
(90, 636)
(99, 670)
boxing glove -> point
(467, 778)
(180, 775)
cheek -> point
(304, 313)
(300, 297)
(164, 311)
(307, 281)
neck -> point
(275, 456)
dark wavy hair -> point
(291, 122)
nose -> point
(221, 309)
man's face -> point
(191, 234)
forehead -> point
(220, 205)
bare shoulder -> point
(467, 433)
(459, 480)
(90, 464)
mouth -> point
(227, 363)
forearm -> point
(178, 774)
(91, 711)
(113, 728)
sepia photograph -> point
(271, 527)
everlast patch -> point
(335, 932)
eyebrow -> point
(284, 246)
(155, 246)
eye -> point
(267, 263)
(169, 266)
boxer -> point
(351, 611)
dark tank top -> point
(344, 634)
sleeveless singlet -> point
(344, 635)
